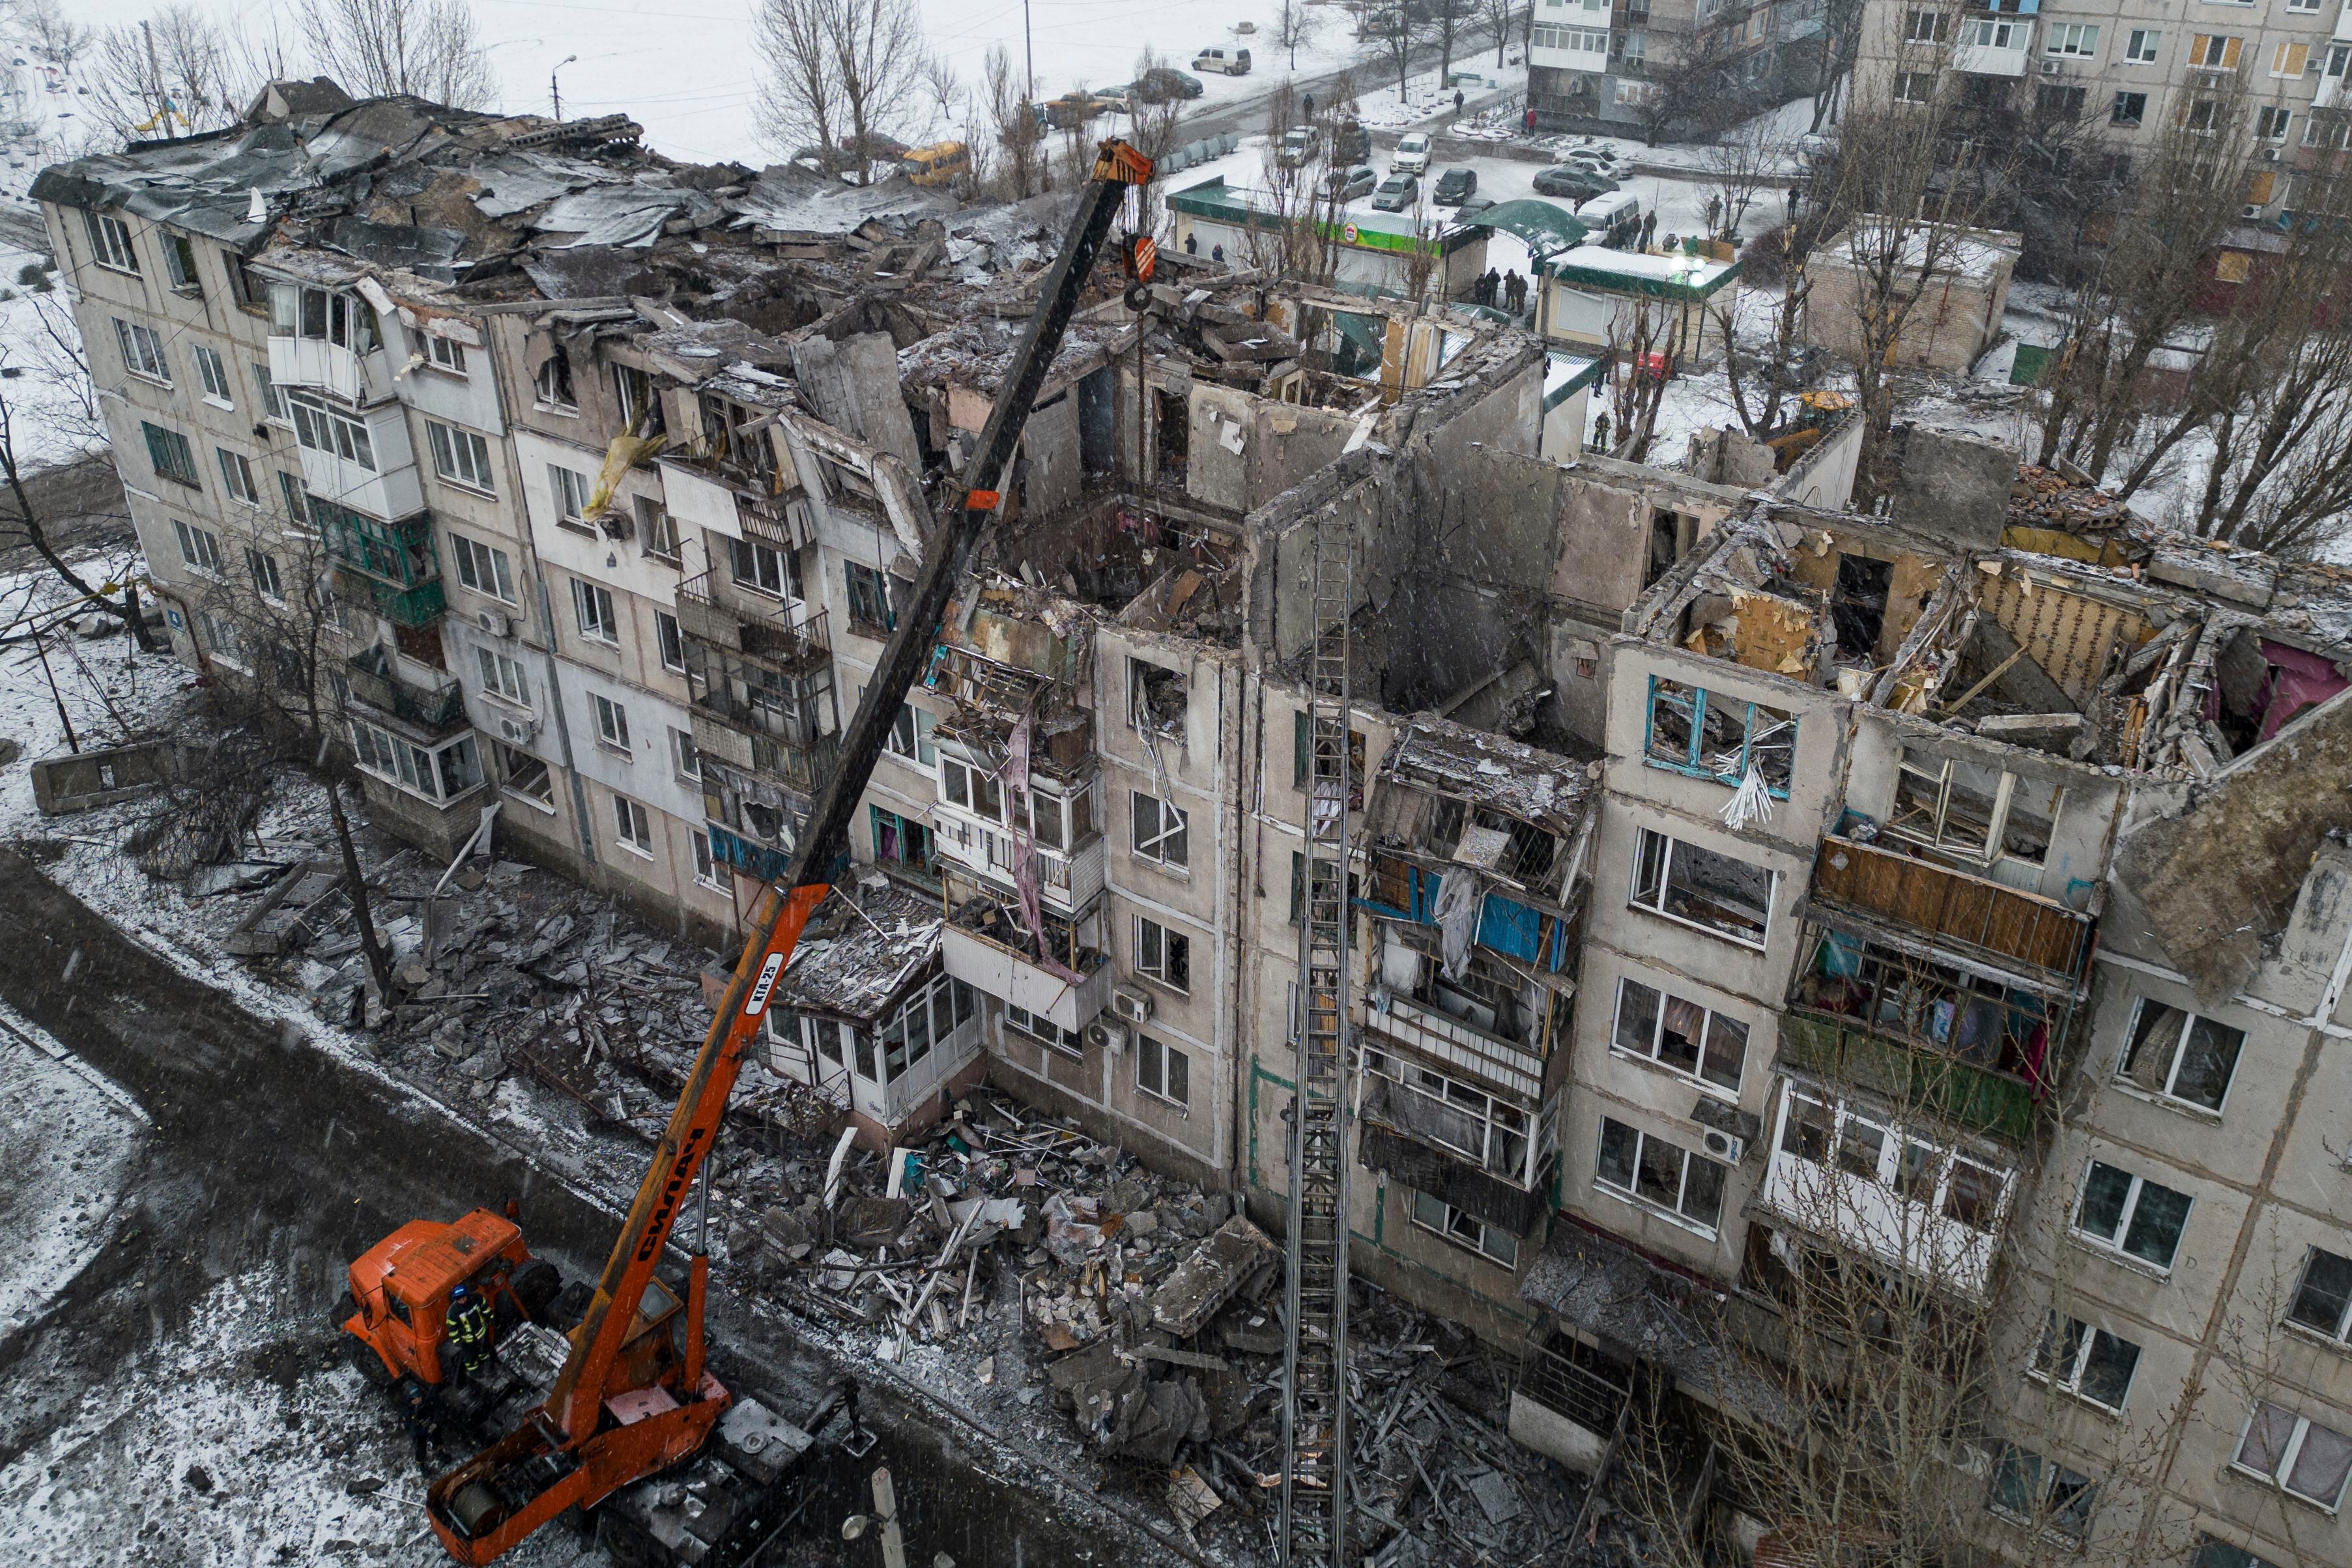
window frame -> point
(2290, 1455)
(612, 724)
(503, 677)
(2046, 1478)
(237, 477)
(631, 825)
(868, 587)
(2127, 1213)
(2139, 103)
(212, 374)
(1691, 765)
(2341, 1334)
(422, 770)
(1167, 940)
(516, 776)
(331, 431)
(2134, 1041)
(2143, 46)
(1068, 1042)
(1172, 1079)
(1665, 884)
(268, 582)
(1154, 847)
(445, 354)
(570, 491)
(461, 457)
(2072, 40)
(110, 245)
(598, 616)
(2064, 1352)
(657, 533)
(1696, 1077)
(756, 554)
(1460, 1227)
(483, 569)
(669, 638)
(200, 549)
(141, 349)
(1674, 1213)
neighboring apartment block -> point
(1634, 67)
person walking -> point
(1714, 213)
(1601, 432)
(1531, 120)
(1649, 227)
(1307, 108)
(1458, 101)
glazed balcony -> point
(1068, 882)
(392, 567)
(1968, 1094)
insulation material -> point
(2299, 681)
(625, 454)
(2070, 636)
(1772, 634)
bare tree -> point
(174, 74)
(1452, 20)
(1392, 28)
(428, 48)
(1015, 120)
(1157, 127)
(58, 35)
(878, 57)
(797, 100)
(1499, 16)
(1295, 26)
(1737, 163)
(1764, 378)
(1640, 355)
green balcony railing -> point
(414, 607)
(374, 683)
(1970, 1096)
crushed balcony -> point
(382, 682)
(1059, 980)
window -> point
(966, 788)
(236, 476)
(2074, 38)
(632, 826)
(1925, 26)
(902, 840)
(180, 263)
(910, 736)
(2214, 1552)
(265, 579)
(656, 529)
(1679, 1035)
(502, 677)
(271, 397)
(319, 313)
(929, 1015)
(2303, 5)
(459, 457)
(1997, 35)
(110, 242)
(199, 548)
(684, 759)
(1163, 955)
(2233, 266)
(143, 352)
(213, 374)
(1915, 87)
(2322, 1300)
(1159, 833)
(2090, 1363)
(2290, 59)
(2141, 44)
(1955, 1187)
(484, 569)
(553, 382)
(1161, 1071)
(445, 354)
(1039, 1027)
(593, 605)
(570, 490)
(706, 873)
(2035, 1491)
(1710, 735)
(763, 568)
(2131, 1213)
(331, 431)
(526, 775)
(2214, 51)
(220, 639)
(1465, 1229)
(1489, 1132)
(436, 775)
(870, 598)
(1713, 892)
(1665, 1176)
(2055, 100)
(2296, 1454)
(1976, 812)
(672, 641)
(612, 722)
(2179, 1055)
(1156, 697)
(2131, 108)
(2271, 123)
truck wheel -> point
(535, 1287)
(571, 1304)
(344, 1308)
(365, 1361)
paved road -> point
(269, 1154)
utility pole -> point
(1028, 52)
(554, 92)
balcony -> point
(1068, 881)
(1982, 1099)
(377, 679)
(1994, 48)
(357, 379)
(1445, 1038)
(740, 737)
(1972, 915)
(981, 948)
(749, 856)
(389, 566)
(782, 634)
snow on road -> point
(70, 1143)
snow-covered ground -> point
(68, 1140)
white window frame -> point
(445, 354)
(1666, 881)
(110, 242)
(1160, 937)
(418, 769)
(1163, 1072)
(503, 677)
(910, 738)
(1618, 1046)
(514, 775)
(570, 489)
(460, 456)
(1634, 1196)
(213, 376)
(1894, 1142)
(706, 864)
(2072, 41)
(2048, 1475)
(200, 549)
(236, 476)
(267, 580)
(273, 399)
(1497, 1120)
(2114, 1247)
(2342, 1331)
(612, 724)
(2043, 1366)
(332, 431)
(633, 826)
(598, 617)
(656, 528)
(484, 568)
(143, 352)
(1044, 1031)
(670, 639)
(684, 757)
(2142, 45)
(2180, 1048)
(1154, 841)
(2289, 1457)
(1910, 87)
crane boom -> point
(566, 1452)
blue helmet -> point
(459, 1293)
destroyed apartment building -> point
(1717, 860)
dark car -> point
(1454, 187)
(1165, 83)
(1351, 142)
(1397, 193)
(1578, 184)
(1348, 184)
(1468, 211)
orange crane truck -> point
(635, 1399)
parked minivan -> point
(1230, 62)
(1612, 219)
(938, 164)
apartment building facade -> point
(1640, 67)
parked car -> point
(1576, 184)
(1397, 193)
(1077, 107)
(1166, 82)
(1613, 219)
(1468, 211)
(1350, 143)
(1412, 153)
(1226, 62)
(1349, 185)
(1299, 145)
(1454, 187)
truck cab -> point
(400, 1291)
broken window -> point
(1160, 833)
(1661, 1174)
(1714, 892)
(641, 409)
(1488, 995)
(2040, 1493)
(1679, 1035)
(1157, 699)
(1972, 812)
(1858, 602)
(869, 598)
(1490, 1133)
(763, 568)
(1665, 546)
(1163, 955)
(1710, 735)
(553, 382)
(1939, 1005)
(1162, 1072)
(2180, 1055)
(1464, 1230)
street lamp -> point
(555, 93)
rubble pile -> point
(2045, 498)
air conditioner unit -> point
(1131, 1004)
(2051, 68)
(2268, 154)
(1108, 1037)
(517, 731)
(494, 622)
(1723, 1147)
(2251, 212)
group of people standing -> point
(1508, 290)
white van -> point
(1230, 62)
(1612, 219)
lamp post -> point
(554, 92)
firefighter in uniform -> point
(470, 1331)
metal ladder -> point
(1315, 1404)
